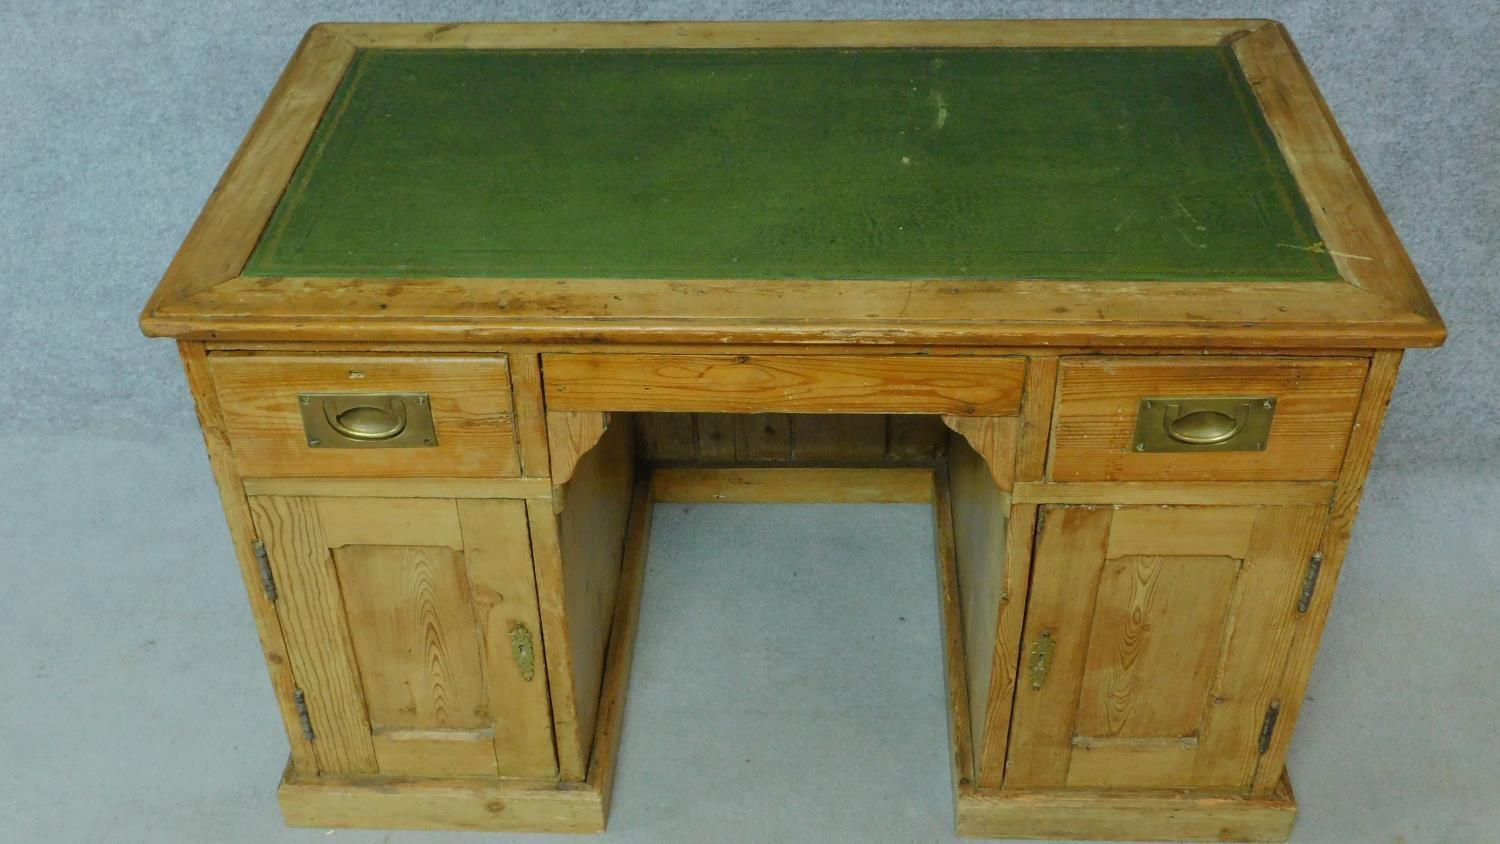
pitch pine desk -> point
(1112, 295)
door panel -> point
(413, 631)
(1167, 629)
(412, 624)
(1158, 628)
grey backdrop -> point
(132, 702)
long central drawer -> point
(962, 385)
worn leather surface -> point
(889, 163)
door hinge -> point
(302, 716)
(267, 582)
(1268, 726)
(1310, 582)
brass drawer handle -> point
(1204, 423)
(1204, 427)
(367, 420)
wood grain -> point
(569, 438)
(469, 398)
(317, 632)
(979, 516)
(1168, 492)
(1181, 531)
(610, 720)
(673, 436)
(656, 347)
(958, 649)
(1171, 626)
(231, 222)
(389, 521)
(1342, 511)
(810, 438)
(578, 557)
(714, 433)
(1152, 654)
(1152, 763)
(503, 586)
(1033, 434)
(725, 34)
(591, 531)
(1006, 672)
(1039, 396)
(1065, 577)
(1098, 399)
(969, 386)
(436, 753)
(200, 297)
(762, 436)
(1169, 581)
(1263, 622)
(242, 533)
(913, 315)
(572, 748)
(859, 437)
(411, 621)
(791, 485)
(1102, 814)
(821, 436)
(910, 437)
(994, 439)
(457, 803)
(399, 612)
(402, 487)
(531, 415)
(1355, 230)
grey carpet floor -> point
(133, 702)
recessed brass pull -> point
(1204, 427)
(367, 420)
(1204, 423)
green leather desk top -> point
(1138, 163)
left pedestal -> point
(401, 541)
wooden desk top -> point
(1162, 183)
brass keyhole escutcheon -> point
(523, 650)
(1041, 659)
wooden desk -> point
(1112, 295)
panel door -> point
(1155, 638)
(413, 633)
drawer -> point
(468, 399)
(1098, 399)
(962, 385)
